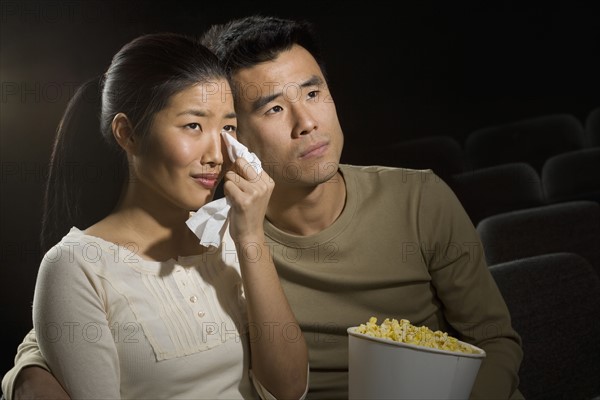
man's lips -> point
(209, 181)
(314, 150)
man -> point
(354, 242)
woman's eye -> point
(229, 128)
(194, 125)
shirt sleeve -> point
(72, 329)
(28, 355)
(472, 303)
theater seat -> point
(555, 305)
(493, 190)
(532, 141)
(592, 128)
(572, 176)
(572, 227)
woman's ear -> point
(123, 133)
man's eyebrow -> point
(261, 101)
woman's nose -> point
(213, 149)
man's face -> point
(287, 116)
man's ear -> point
(123, 133)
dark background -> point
(428, 68)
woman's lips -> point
(314, 150)
(208, 181)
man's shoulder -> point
(400, 183)
(396, 174)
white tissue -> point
(210, 221)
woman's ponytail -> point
(86, 173)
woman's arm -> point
(71, 326)
(278, 350)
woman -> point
(128, 304)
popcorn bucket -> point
(385, 369)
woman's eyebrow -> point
(194, 112)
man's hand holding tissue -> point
(248, 193)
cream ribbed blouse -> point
(113, 325)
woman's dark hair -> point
(88, 169)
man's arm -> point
(472, 302)
(29, 378)
(37, 383)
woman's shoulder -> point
(77, 248)
(71, 262)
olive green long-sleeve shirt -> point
(403, 247)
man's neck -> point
(307, 210)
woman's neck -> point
(156, 232)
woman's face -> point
(181, 159)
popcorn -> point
(405, 332)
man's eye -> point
(229, 128)
(275, 109)
(314, 94)
(194, 125)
